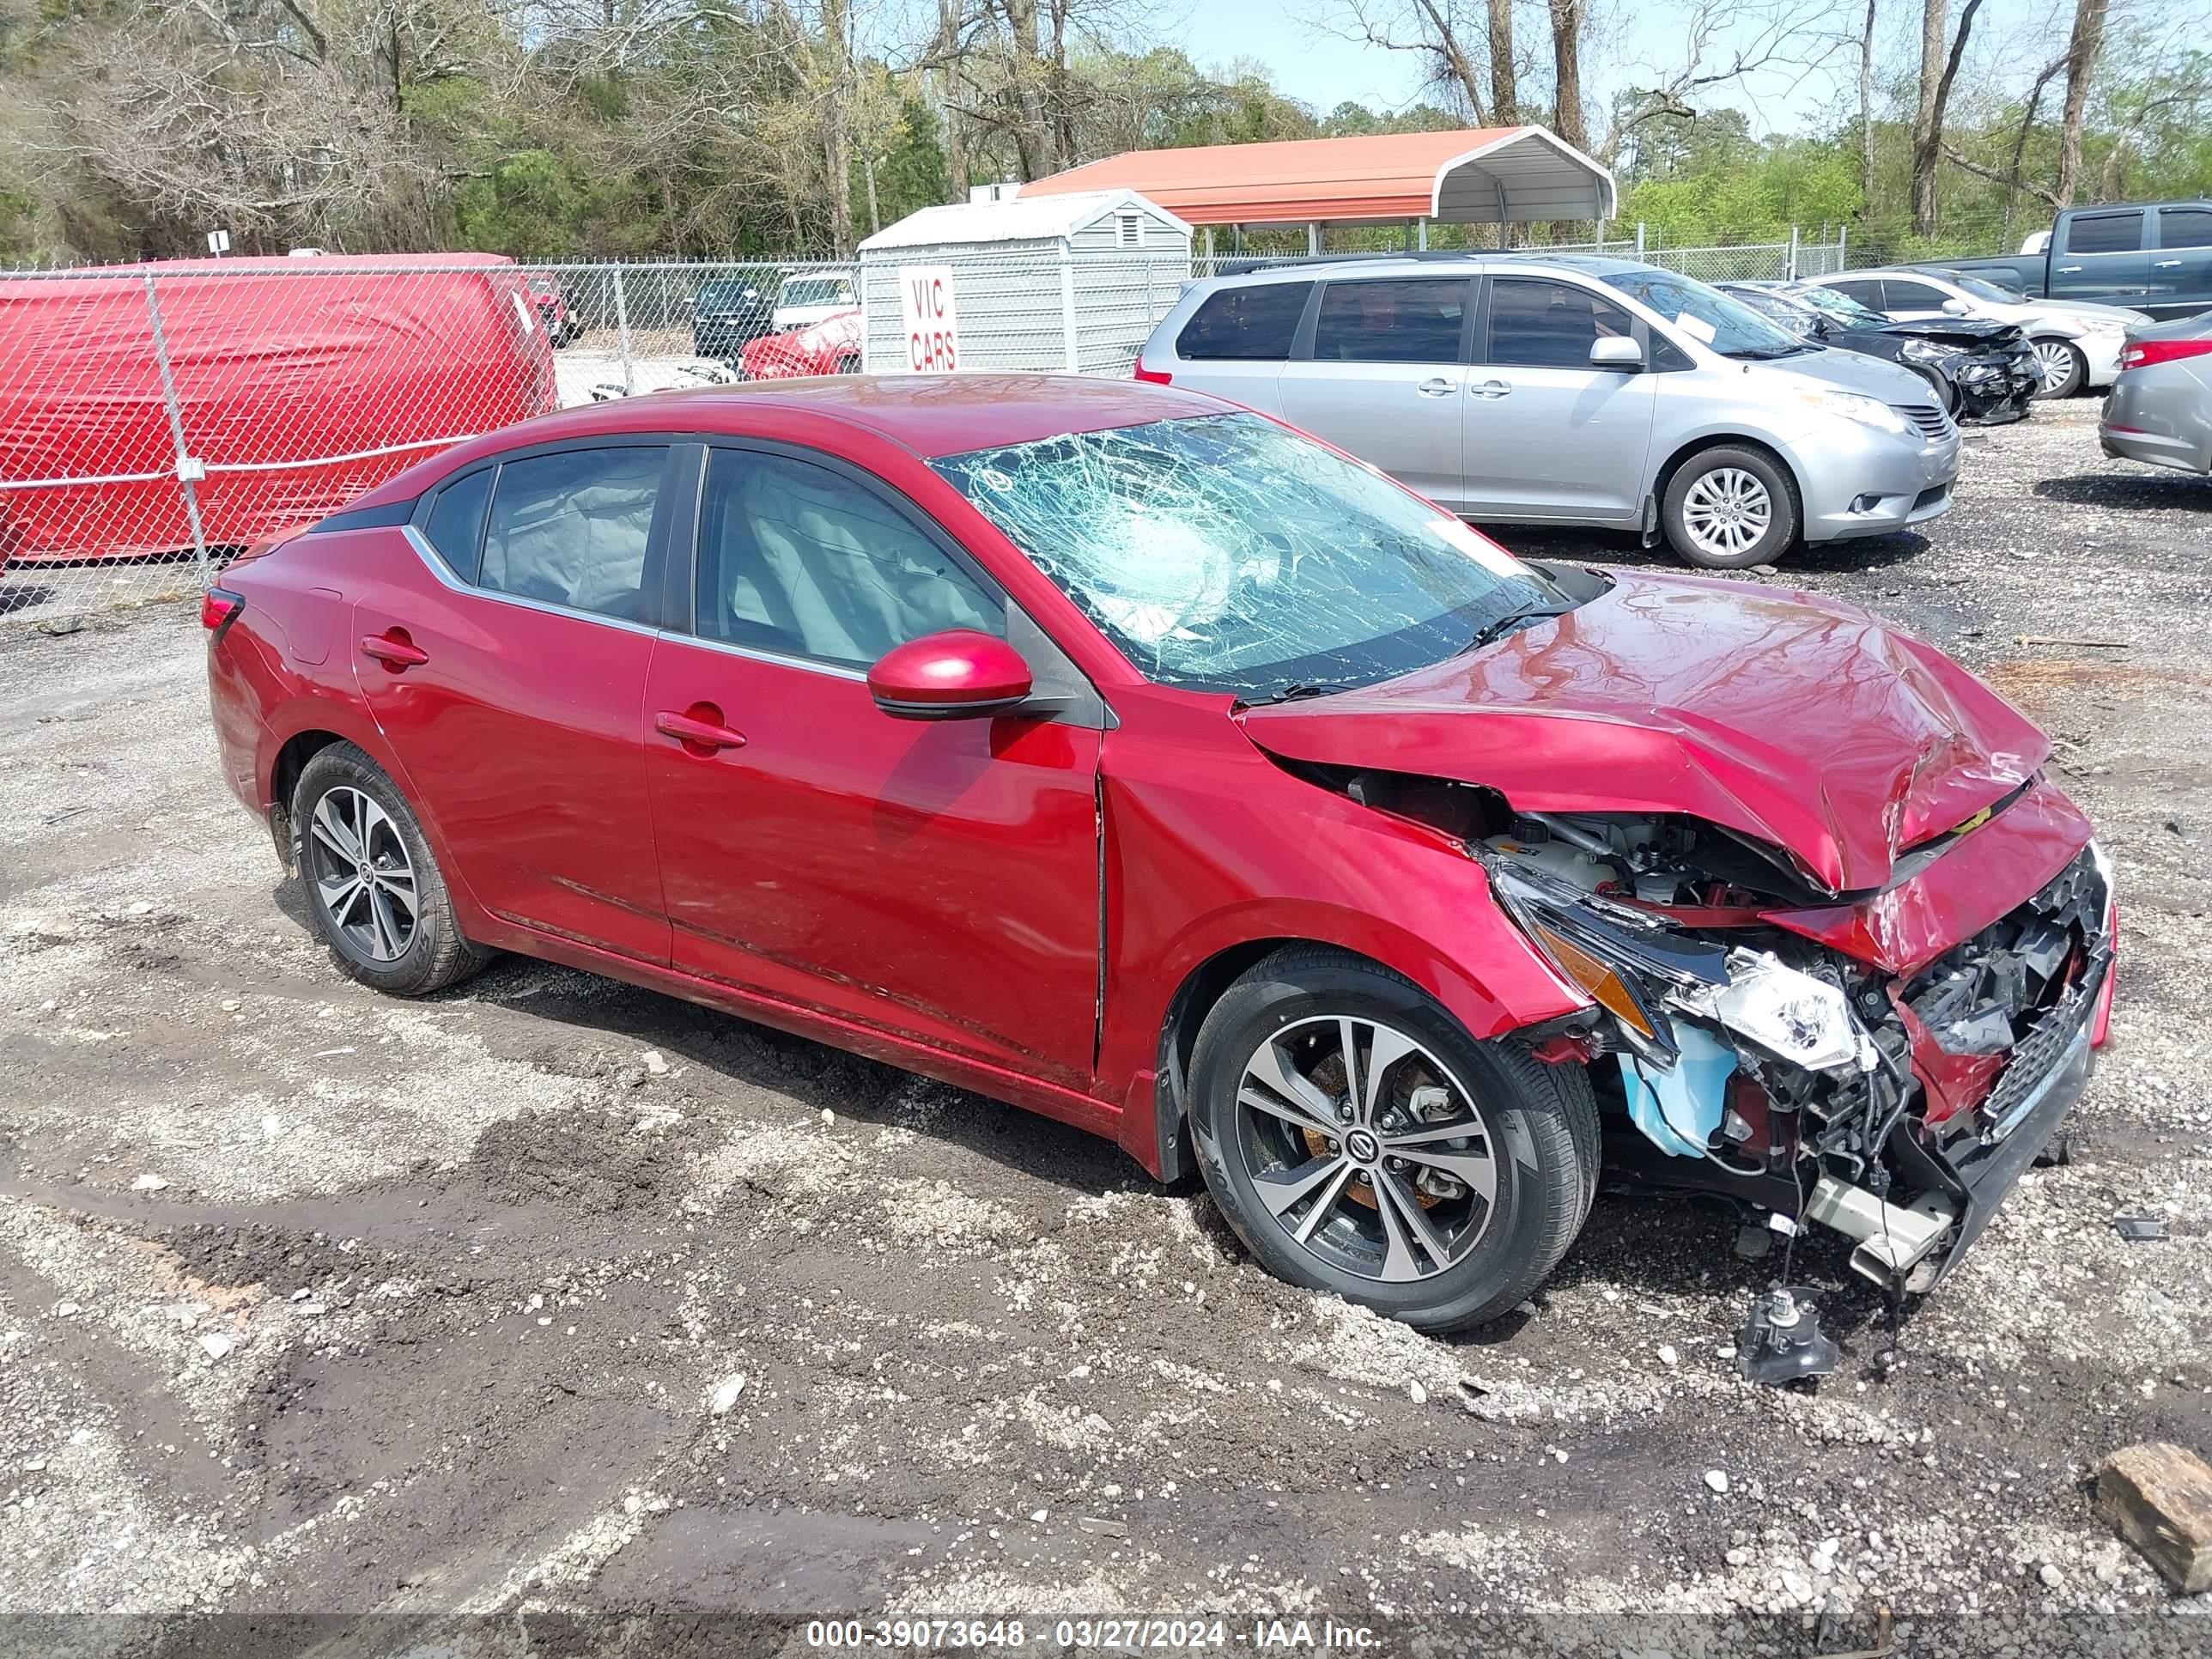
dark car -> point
(733, 308)
(1119, 753)
(1982, 371)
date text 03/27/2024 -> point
(1165, 1635)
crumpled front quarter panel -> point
(1210, 845)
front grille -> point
(1927, 420)
(2023, 987)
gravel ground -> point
(554, 1294)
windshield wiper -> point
(1499, 626)
(1297, 689)
(1764, 353)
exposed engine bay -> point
(1756, 1062)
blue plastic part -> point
(1677, 1108)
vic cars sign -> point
(932, 323)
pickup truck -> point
(2156, 258)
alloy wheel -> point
(1368, 1153)
(1727, 511)
(363, 879)
(2054, 363)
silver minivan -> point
(1519, 389)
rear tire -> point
(2063, 368)
(1388, 1207)
(374, 889)
(1729, 507)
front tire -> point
(374, 889)
(2062, 367)
(1359, 1142)
(1729, 507)
(1946, 394)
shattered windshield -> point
(1225, 553)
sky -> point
(1322, 70)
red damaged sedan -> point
(1132, 758)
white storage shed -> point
(1064, 283)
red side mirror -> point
(960, 674)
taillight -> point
(2145, 354)
(1154, 376)
(219, 608)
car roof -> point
(1360, 265)
(929, 414)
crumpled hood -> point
(1800, 721)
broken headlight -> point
(1637, 969)
(1791, 1015)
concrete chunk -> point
(2159, 1497)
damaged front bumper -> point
(1893, 1094)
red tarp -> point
(304, 369)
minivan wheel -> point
(373, 888)
(2061, 366)
(1729, 508)
(1360, 1142)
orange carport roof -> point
(1475, 175)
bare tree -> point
(1437, 35)
(1567, 72)
(1928, 127)
(2082, 46)
(1504, 95)
(1866, 105)
(1724, 42)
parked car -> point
(1978, 371)
(1574, 390)
(733, 307)
(2161, 408)
(2156, 257)
(2076, 346)
(831, 346)
(561, 326)
(299, 382)
(1119, 753)
(812, 297)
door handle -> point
(2164, 264)
(1490, 389)
(393, 649)
(1435, 388)
(698, 728)
(2068, 270)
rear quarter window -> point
(455, 526)
(1258, 321)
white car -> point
(811, 297)
(2076, 344)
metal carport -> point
(1480, 175)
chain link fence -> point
(157, 420)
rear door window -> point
(1904, 295)
(570, 528)
(1417, 320)
(1256, 322)
(1538, 324)
(2105, 233)
(2185, 227)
